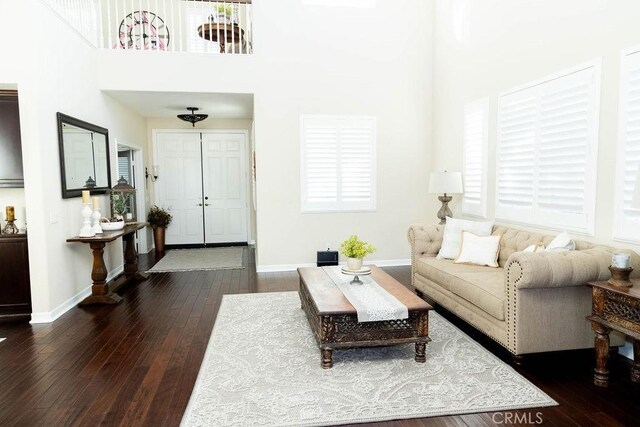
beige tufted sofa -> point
(533, 302)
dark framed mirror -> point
(84, 157)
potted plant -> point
(355, 250)
(159, 219)
(224, 13)
(118, 206)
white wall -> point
(319, 60)
(56, 74)
(483, 48)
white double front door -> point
(202, 180)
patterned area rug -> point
(262, 368)
(200, 259)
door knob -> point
(199, 204)
(207, 204)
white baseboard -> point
(293, 267)
(50, 316)
(281, 267)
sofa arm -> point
(425, 240)
(558, 269)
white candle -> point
(620, 260)
(85, 197)
(96, 203)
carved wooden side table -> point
(618, 309)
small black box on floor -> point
(327, 258)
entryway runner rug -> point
(262, 368)
(200, 259)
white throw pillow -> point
(452, 235)
(480, 250)
(562, 242)
(534, 248)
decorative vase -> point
(354, 263)
(158, 238)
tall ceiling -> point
(170, 104)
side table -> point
(618, 309)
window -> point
(627, 220)
(474, 158)
(547, 151)
(338, 163)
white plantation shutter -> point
(516, 151)
(124, 167)
(547, 148)
(626, 219)
(474, 169)
(338, 163)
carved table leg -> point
(635, 370)
(327, 332)
(131, 259)
(423, 331)
(601, 373)
(327, 358)
(100, 289)
(420, 352)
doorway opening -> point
(204, 182)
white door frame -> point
(141, 207)
(244, 132)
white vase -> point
(354, 263)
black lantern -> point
(123, 201)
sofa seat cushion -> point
(481, 286)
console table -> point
(101, 291)
(618, 309)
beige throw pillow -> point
(562, 242)
(452, 236)
(479, 250)
(534, 248)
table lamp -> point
(445, 183)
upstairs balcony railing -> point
(197, 26)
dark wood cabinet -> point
(11, 174)
(15, 287)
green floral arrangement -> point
(227, 10)
(356, 248)
(158, 217)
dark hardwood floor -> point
(136, 363)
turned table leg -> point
(601, 373)
(635, 370)
(327, 358)
(131, 259)
(420, 352)
(100, 288)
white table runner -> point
(371, 301)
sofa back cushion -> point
(514, 240)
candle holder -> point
(10, 228)
(620, 277)
(95, 220)
(86, 230)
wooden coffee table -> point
(335, 323)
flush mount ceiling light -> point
(193, 117)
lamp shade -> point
(445, 182)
